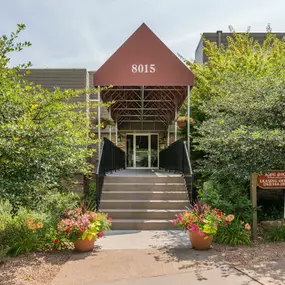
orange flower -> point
(30, 221)
(40, 225)
(32, 226)
(247, 227)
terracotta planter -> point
(181, 124)
(200, 242)
(84, 245)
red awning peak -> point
(143, 59)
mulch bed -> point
(37, 268)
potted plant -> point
(182, 121)
(82, 227)
(202, 222)
(106, 121)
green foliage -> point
(90, 199)
(5, 221)
(227, 197)
(28, 230)
(234, 234)
(25, 231)
(275, 234)
(56, 202)
(238, 104)
(43, 136)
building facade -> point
(220, 38)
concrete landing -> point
(143, 172)
(118, 240)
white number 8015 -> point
(143, 68)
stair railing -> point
(176, 158)
(112, 158)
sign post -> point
(253, 195)
(272, 180)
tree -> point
(44, 138)
(239, 103)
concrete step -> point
(145, 214)
(141, 224)
(143, 186)
(143, 204)
(144, 195)
(143, 179)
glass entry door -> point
(142, 151)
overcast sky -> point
(84, 33)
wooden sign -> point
(272, 180)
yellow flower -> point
(230, 218)
(247, 227)
(39, 225)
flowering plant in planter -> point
(182, 121)
(82, 224)
(202, 221)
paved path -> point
(152, 258)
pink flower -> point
(194, 228)
(110, 219)
(201, 234)
(100, 234)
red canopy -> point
(143, 60)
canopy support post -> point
(168, 136)
(110, 127)
(188, 121)
(175, 124)
(99, 123)
(116, 132)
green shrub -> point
(55, 202)
(90, 199)
(5, 220)
(275, 234)
(235, 233)
(25, 231)
(5, 214)
(228, 198)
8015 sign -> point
(143, 68)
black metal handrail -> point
(176, 158)
(112, 158)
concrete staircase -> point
(143, 202)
